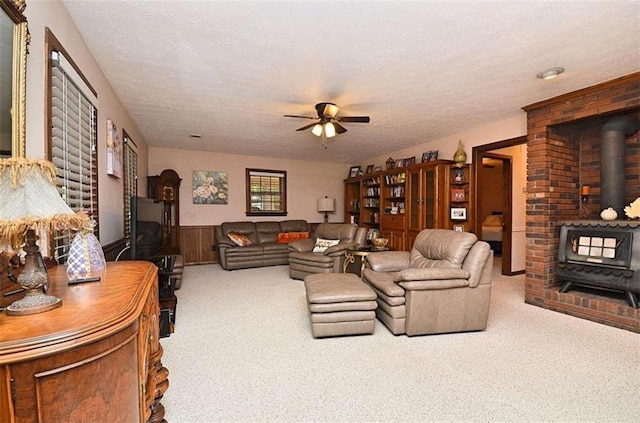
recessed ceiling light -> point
(550, 73)
(195, 136)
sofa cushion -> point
(287, 237)
(267, 231)
(322, 244)
(245, 228)
(295, 225)
(240, 240)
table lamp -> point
(30, 203)
(326, 205)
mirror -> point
(14, 37)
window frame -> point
(61, 241)
(129, 180)
(282, 175)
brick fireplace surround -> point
(563, 138)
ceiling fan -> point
(327, 125)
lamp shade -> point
(30, 200)
(317, 130)
(329, 130)
(326, 204)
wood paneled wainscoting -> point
(196, 244)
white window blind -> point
(266, 192)
(130, 180)
(73, 144)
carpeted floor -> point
(242, 351)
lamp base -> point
(33, 303)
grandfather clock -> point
(166, 188)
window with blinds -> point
(266, 192)
(130, 180)
(73, 144)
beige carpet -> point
(243, 352)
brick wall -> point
(563, 137)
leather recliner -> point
(443, 285)
(303, 261)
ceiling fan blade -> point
(357, 119)
(339, 128)
(306, 127)
(302, 117)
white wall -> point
(306, 182)
(52, 14)
(513, 127)
(518, 154)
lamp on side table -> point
(30, 203)
(326, 205)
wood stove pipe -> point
(612, 164)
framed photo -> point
(458, 228)
(458, 175)
(409, 161)
(210, 187)
(433, 155)
(458, 194)
(354, 171)
(458, 213)
(399, 163)
(370, 169)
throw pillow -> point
(287, 237)
(241, 240)
(323, 244)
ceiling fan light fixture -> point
(317, 130)
(329, 130)
(550, 73)
(331, 109)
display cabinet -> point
(459, 205)
(352, 201)
(425, 205)
(398, 203)
(370, 212)
(166, 188)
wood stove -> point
(600, 254)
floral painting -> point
(210, 187)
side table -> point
(355, 254)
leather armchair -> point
(443, 285)
(303, 261)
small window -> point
(129, 179)
(72, 138)
(266, 192)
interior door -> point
(500, 150)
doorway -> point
(500, 200)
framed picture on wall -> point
(458, 228)
(210, 187)
(458, 213)
(114, 150)
(458, 194)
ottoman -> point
(340, 304)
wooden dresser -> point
(95, 359)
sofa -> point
(308, 256)
(443, 285)
(243, 245)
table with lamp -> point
(80, 349)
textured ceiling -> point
(421, 70)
